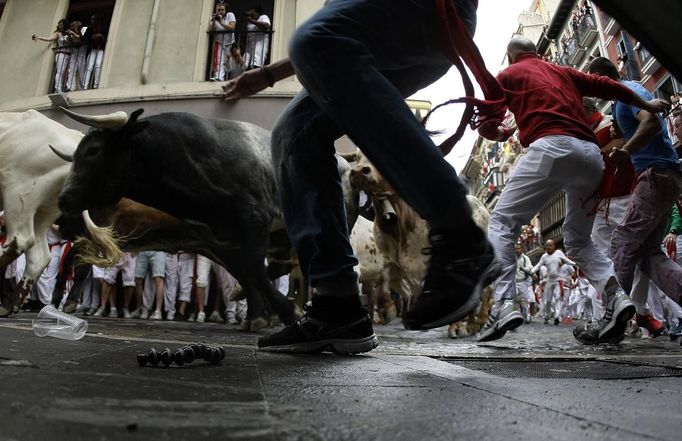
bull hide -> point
(400, 233)
(31, 177)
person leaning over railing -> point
(62, 53)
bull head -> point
(64, 156)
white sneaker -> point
(502, 318)
(135, 313)
(232, 321)
(98, 312)
(113, 313)
(156, 316)
(144, 315)
(126, 313)
(170, 316)
(201, 317)
(191, 317)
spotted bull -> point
(400, 233)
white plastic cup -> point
(54, 323)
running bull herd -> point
(175, 181)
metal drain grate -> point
(596, 370)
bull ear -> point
(133, 116)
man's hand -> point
(620, 156)
(657, 105)
(246, 84)
(670, 239)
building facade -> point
(572, 33)
(156, 57)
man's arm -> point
(649, 126)
(608, 89)
(253, 81)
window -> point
(644, 55)
(80, 51)
(253, 41)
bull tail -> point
(100, 247)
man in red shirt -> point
(546, 100)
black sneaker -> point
(453, 283)
(309, 335)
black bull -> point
(213, 174)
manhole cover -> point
(596, 370)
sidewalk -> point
(415, 386)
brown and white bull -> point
(400, 233)
(31, 178)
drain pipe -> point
(149, 47)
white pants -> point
(92, 290)
(94, 68)
(185, 275)
(552, 164)
(643, 290)
(77, 66)
(226, 285)
(126, 265)
(61, 65)
(44, 286)
(170, 288)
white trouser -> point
(643, 289)
(77, 65)
(170, 288)
(226, 285)
(44, 286)
(185, 275)
(94, 68)
(552, 164)
(61, 65)
(92, 290)
(551, 299)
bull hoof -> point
(5, 312)
(258, 324)
(274, 321)
(70, 306)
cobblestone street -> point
(536, 383)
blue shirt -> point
(659, 153)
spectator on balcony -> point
(677, 130)
(96, 37)
(235, 62)
(562, 155)
(223, 23)
(62, 51)
(257, 38)
(79, 55)
(637, 239)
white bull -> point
(400, 233)
(31, 177)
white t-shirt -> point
(257, 43)
(551, 261)
(226, 38)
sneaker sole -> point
(613, 341)
(338, 346)
(616, 328)
(497, 331)
(490, 274)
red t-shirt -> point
(546, 99)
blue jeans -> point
(358, 60)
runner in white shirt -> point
(551, 259)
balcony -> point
(650, 66)
(552, 217)
(612, 26)
(587, 30)
(575, 51)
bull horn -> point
(64, 156)
(102, 248)
(114, 120)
